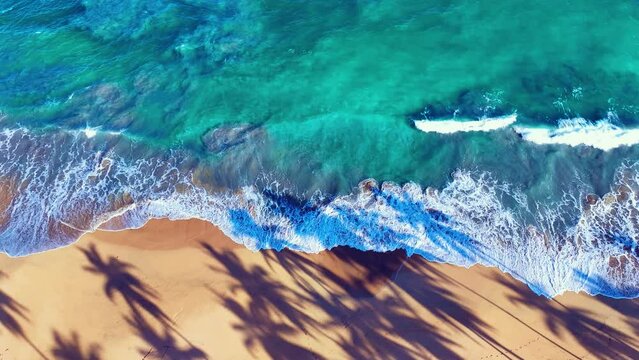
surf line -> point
(602, 134)
(454, 126)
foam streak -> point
(455, 126)
(575, 132)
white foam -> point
(453, 126)
(463, 224)
(601, 134)
(90, 132)
(575, 132)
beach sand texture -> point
(183, 290)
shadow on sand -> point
(146, 319)
(71, 348)
(273, 313)
(120, 279)
(336, 298)
(12, 313)
(594, 335)
(389, 327)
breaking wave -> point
(602, 134)
(56, 187)
(454, 126)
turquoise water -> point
(150, 102)
(318, 77)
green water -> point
(334, 84)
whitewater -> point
(600, 134)
(54, 194)
(453, 126)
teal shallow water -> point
(338, 73)
(316, 97)
(191, 65)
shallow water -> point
(264, 116)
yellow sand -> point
(182, 290)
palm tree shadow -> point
(375, 269)
(273, 310)
(388, 328)
(443, 304)
(11, 312)
(629, 308)
(361, 323)
(72, 349)
(163, 339)
(119, 279)
(163, 344)
(600, 339)
(371, 323)
(268, 332)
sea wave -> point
(60, 187)
(454, 126)
(602, 134)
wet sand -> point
(183, 290)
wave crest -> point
(454, 126)
(574, 132)
(602, 134)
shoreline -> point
(99, 231)
(182, 289)
(43, 217)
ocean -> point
(466, 132)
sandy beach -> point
(183, 290)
